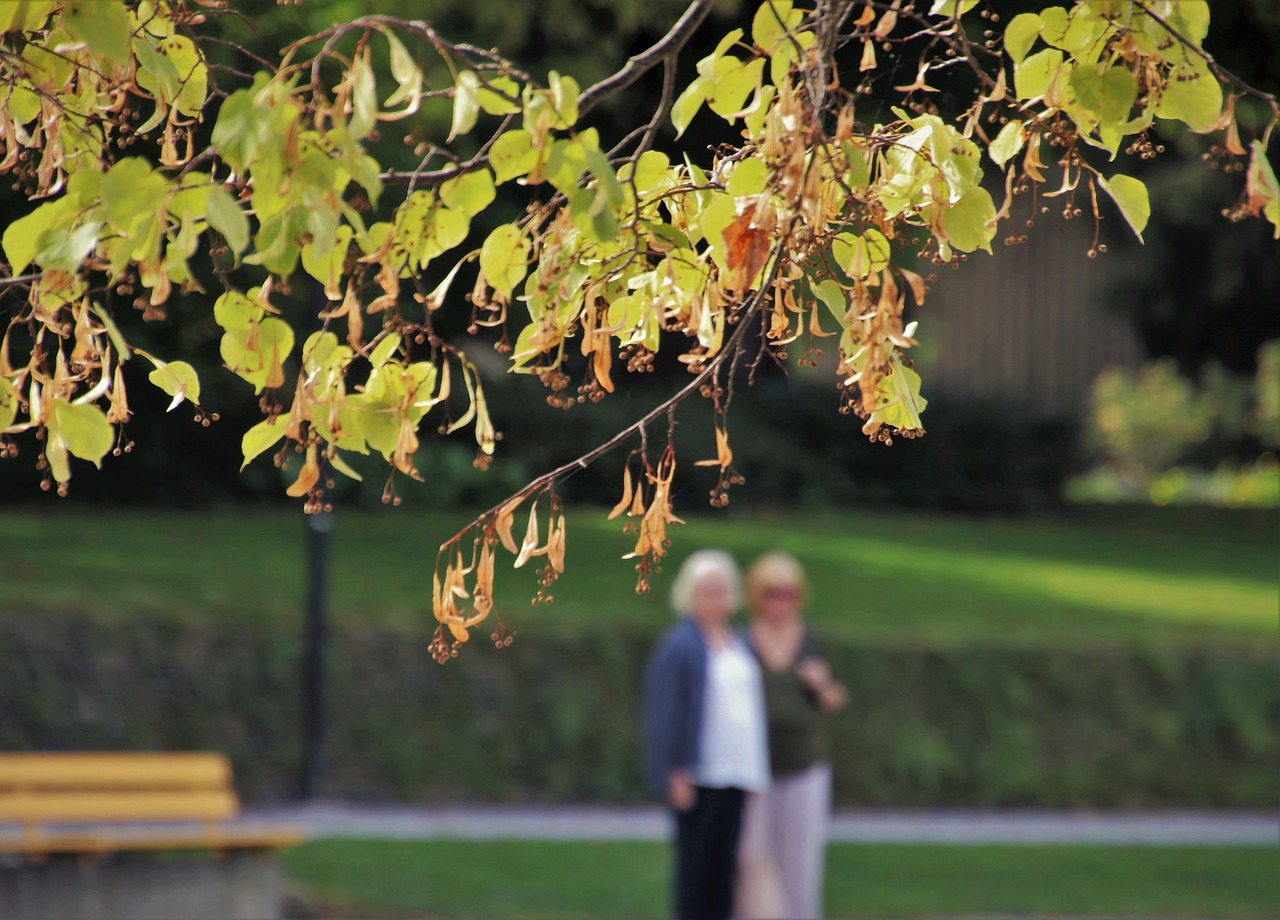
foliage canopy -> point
(149, 169)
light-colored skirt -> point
(782, 848)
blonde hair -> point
(775, 569)
(698, 566)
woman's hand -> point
(680, 791)
(816, 674)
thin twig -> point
(667, 47)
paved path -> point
(322, 820)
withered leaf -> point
(503, 524)
(747, 250)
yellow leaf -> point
(626, 494)
(506, 516)
(307, 477)
(555, 545)
(529, 547)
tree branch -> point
(1218, 70)
(667, 47)
(731, 347)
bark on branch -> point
(666, 48)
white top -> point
(734, 748)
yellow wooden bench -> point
(100, 803)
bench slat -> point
(191, 791)
(89, 807)
(141, 770)
(102, 843)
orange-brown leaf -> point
(626, 494)
(506, 518)
(555, 545)
(530, 545)
(746, 251)
(308, 476)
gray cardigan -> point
(675, 685)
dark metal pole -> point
(313, 647)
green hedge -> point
(554, 717)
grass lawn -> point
(877, 576)
(522, 880)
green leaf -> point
(317, 350)
(234, 310)
(1190, 18)
(749, 177)
(469, 193)
(859, 159)
(24, 16)
(651, 172)
(101, 24)
(567, 161)
(21, 237)
(833, 298)
(1007, 143)
(1054, 22)
(241, 127)
(732, 84)
(276, 244)
(342, 467)
(405, 71)
(512, 155)
(466, 104)
(951, 7)
(383, 351)
(260, 437)
(1020, 34)
(688, 103)
(970, 223)
(564, 100)
(1130, 195)
(1197, 102)
(448, 229)
(82, 430)
(186, 60)
(132, 190)
(55, 248)
(23, 104)
(8, 403)
(504, 258)
(156, 73)
(364, 98)
(900, 391)
(251, 351)
(495, 104)
(788, 53)
(860, 256)
(1263, 190)
(1106, 93)
(707, 66)
(123, 351)
(225, 216)
(179, 380)
(772, 21)
(1031, 77)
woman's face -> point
(778, 602)
(711, 603)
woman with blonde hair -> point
(705, 732)
(785, 827)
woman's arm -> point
(816, 674)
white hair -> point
(697, 567)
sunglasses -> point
(780, 594)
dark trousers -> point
(707, 854)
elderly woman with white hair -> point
(705, 732)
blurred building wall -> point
(1026, 325)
